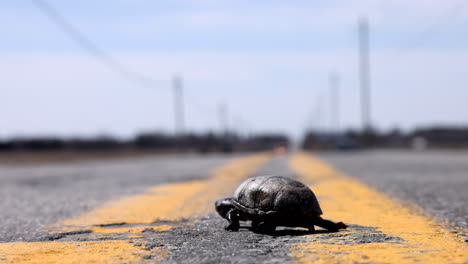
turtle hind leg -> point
(233, 217)
(329, 225)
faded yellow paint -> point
(171, 202)
(345, 199)
(133, 229)
(102, 252)
(157, 203)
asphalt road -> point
(436, 181)
(36, 196)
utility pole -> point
(224, 128)
(364, 73)
(223, 119)
(178, 105)
(319, 125)
(334, 102)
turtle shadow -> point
(292, 232)
(295, 232)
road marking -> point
(110, 251)
(164, 203)
(132, 229)
(169, 202)
(160, 203)
(403, 234)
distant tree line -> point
(201, 142)
(430, 137)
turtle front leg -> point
(233, 217)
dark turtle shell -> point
(275, 195)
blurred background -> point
(225, 76)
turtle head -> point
(223, 206)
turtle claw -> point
(341, 225)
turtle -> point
(271, 201)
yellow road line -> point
(132, 229)
(171, 202)
(413, 238)
(158, 203)
(110, 251)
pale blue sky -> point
(268, 60)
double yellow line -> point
(381, 231)
(166, 203)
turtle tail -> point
(329, 225)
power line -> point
(89, 46)
(113, 64)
